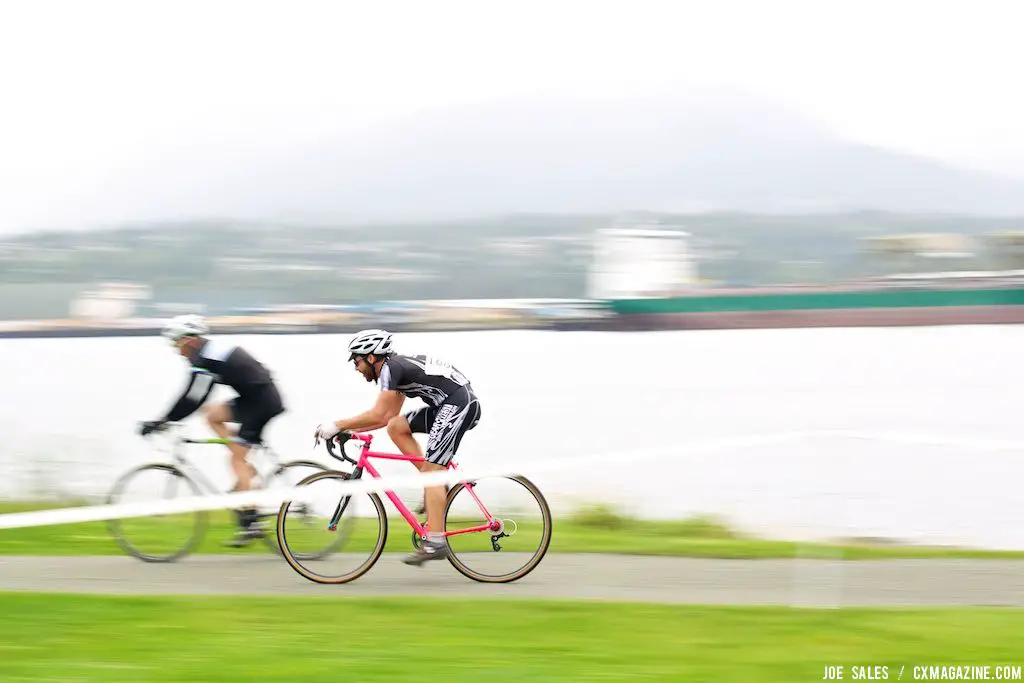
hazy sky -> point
(103, 101)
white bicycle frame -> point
(176, 450)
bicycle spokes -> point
(353, 526)
(497, 528)
(157, 538)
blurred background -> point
(634, 226)
(453, 166)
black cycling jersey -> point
(425, 377)
(219, 362)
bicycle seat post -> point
(178, 442)
(177, 448)
(265, 461)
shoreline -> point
(650, 322)
(667, 323)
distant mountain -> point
(661, 154)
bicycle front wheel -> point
(157, 538)
(289, 475)
(356, 542)
(498, 528)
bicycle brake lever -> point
(334, 442)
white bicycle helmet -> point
(190, 325)
(377, 342)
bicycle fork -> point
(343, 503)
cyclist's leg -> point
(217, 416)
(250, 434)
(401, 429)
(454, 418)
(252, 417)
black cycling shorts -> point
(446, 424)
(252, 414)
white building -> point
(642, 261)
(109, 302)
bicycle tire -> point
(114, 525)
(271, 539)
(375, 554)
(541, 550)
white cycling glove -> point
(327, 430)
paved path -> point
(613, 577)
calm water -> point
(71, 407)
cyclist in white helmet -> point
(452, 410)
(258, 402)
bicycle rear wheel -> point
(361, 531)
(512, 550)
(177, 534)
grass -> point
(86, 639)
(594, 529)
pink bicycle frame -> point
(421, 529)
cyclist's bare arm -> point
(388, 405)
